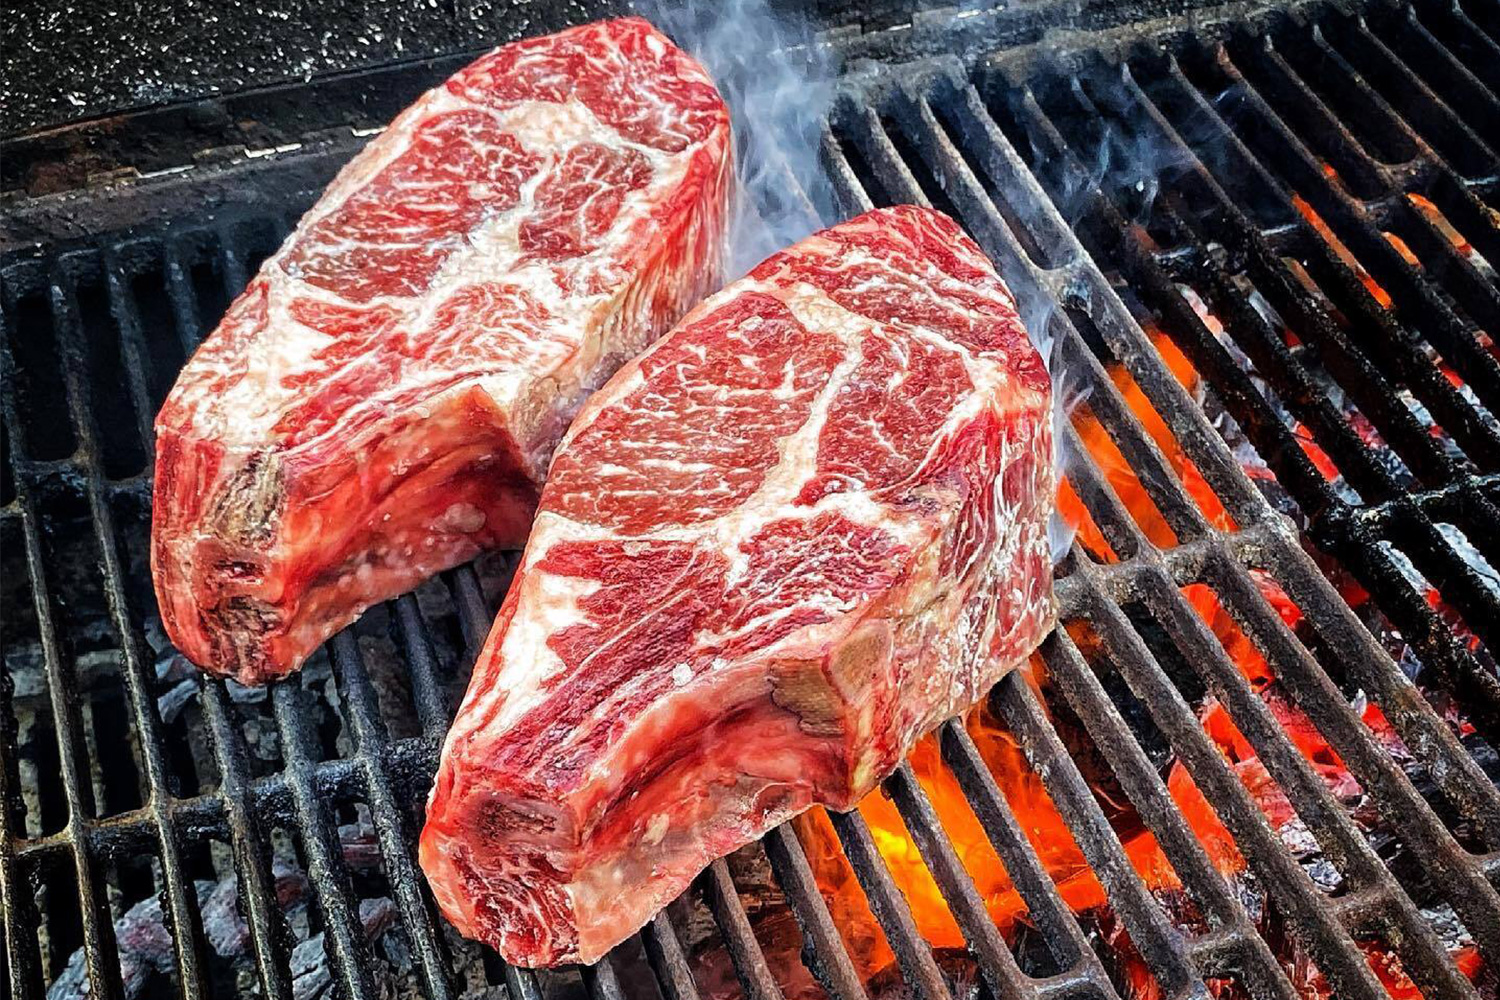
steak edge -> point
(805, 527)
(382, 401)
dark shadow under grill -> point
(1305, 207)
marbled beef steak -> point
(801, 530)
(383, 399)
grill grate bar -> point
(1159, 942)
(1408, 610)
(1462, 27)
(232, 262)
(327, 875)
(134, 354)
(388, 818)
(667, 959)
(723, 900)
(132, 832)
(98, 936)
(830, 963)
(602, 980)
(918, 966)
(19, 961)
(1083, 971)
(270, 939)
(23, 961)
(184, 303)
(411, 636)
(180, 901)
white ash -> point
(145, 944)
(311, 975)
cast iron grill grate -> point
(1204, 193)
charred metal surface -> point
(1140, 174)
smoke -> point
(1039, 315)
(1114, 153)
(779, 85)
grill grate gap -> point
(38, 366)
(165, 351)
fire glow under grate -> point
(1255, 761)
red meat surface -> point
(382, 401)
(805, 527)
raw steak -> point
(383, 399)
(801, 530)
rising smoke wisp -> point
(779, 85)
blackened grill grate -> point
(1284, 147)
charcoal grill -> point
(1212, 176)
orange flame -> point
(1342, 252)
(1023, 788)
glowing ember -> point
(1023, 787)
(1341, 251)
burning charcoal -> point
(376, 916)
(694, 923)
(751, 871)
(311, 975)
(1323, 873)
(1298, 838)
(171, 704)
(360, 846)
(1305, 848)
(242, 695)
(145, 947)
(397, 951)
(172, 666)
(223, 926)
(156, 635)
(1450, 930)
(1455, 537)
(434, 601)
(26, 666)
(390, 676)
(1247, 889)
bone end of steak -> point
(383, 400)
(804, 528)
